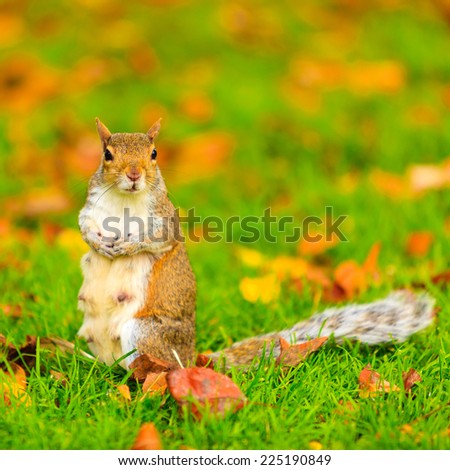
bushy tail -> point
(393, 318)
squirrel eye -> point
(154, 154)
(108, 155)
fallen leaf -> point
(315, 248)
(410, 378)
(292, 354)
(14, 311)
(124, 391)
(147, 438)
(203, 156)
(250, 257)
(197, 107)
(59, 377)
(146, 363)
(441, 278)
(204, 361)
(351, 277)
(155, 383)
(371, 263)
(203, 390)
(264, 289)
(370, 383)
(407, 429)
(24, 355)
(287, 266)
(71, 241)
(14, 386)
(315, 445)
(419, 243)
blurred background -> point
(292, 105)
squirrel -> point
(139, 290)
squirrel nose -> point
(133, 175)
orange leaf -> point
(419, 243)
(370, 383)
(351, 277)
(14, 386)
(147, 438)
(292, 355)
(155, 383)
(314, 248)
(14, 311)
(202, 390)
(371, 263)
(124, 391)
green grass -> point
(286, 157)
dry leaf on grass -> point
(25, 354)
(13, 311)
(410, 378)
(13, 387)
(370, 383)
(124, 391)
(204, 391)
(419, 243)
(292, 355)
(155, 383)
(204, 361)
(441, 278)
(147, 438)
(59, 377)
(146, 363)
(264, 289)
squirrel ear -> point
(154, 130)
(103, 132)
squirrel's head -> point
(129, 160)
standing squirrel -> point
(139, 290)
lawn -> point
(293, 106)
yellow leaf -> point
(71, 241)
(124, 391)
(287, 266)
(263, 289)
(249, 257)
(14, 386)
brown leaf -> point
(146, 363)
(410, 378)
(147, 438)
(292, 355)
(203, 390)
(370, 383)
(155, 383)
(59, 377)
(419, 243)
(14, 311)
(25, 354)
(204, 361)
(441, 278)
(124, 391)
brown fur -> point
(172, 288)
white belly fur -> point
(113, 291)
